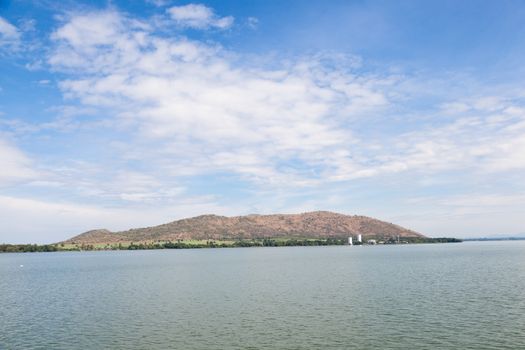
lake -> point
(431, 296)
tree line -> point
(264, 242)
(27, 248)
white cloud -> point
(199, 109)
(489, 140)
(9, 34)
(205, 110)
(199, 16)
(15, 166)
(486, 137)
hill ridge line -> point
(315, 224)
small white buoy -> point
(21, 265)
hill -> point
(319, 224)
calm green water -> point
(443, 296)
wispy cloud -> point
(16, 166)
(199, 16)
(198, 106)
(269, 125)
(9, 34)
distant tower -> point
(350, 241)
(359, 238)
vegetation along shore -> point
(27, 248)
(319, 228)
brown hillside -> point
(319, 224)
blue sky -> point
(122, 114)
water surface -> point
(441, 296)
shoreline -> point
(205, 244)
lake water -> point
(443, 296)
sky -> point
(121, 114)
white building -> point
(350, 241)
(359, 238)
